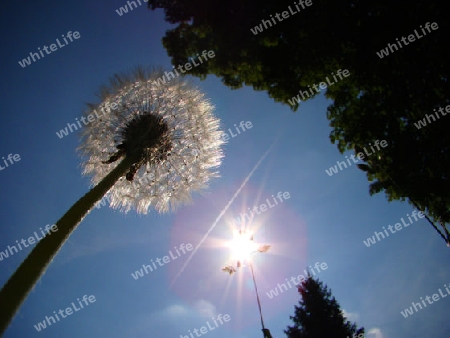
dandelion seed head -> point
(169, 131)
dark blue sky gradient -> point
(325, 219)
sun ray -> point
(222, 213)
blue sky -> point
(325, 219)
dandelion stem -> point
(33, 267)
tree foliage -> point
(319, 315)
(382, 99)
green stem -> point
(15, 291)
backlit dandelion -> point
(154, 145)
(167, 131)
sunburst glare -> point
(242, 246)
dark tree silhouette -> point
(319, 315)
(382, 99)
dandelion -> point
(161, 143)
(169, 134)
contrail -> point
(223, 212)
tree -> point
(383, 97)
(319, 315)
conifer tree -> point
(319, 315)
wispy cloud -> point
(351, 316)
(201, 308)
(374, 333)
(175, 311)
(205, 308)
(174, 316)
(101, 243)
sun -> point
(242, 246)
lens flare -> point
(242, 246)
